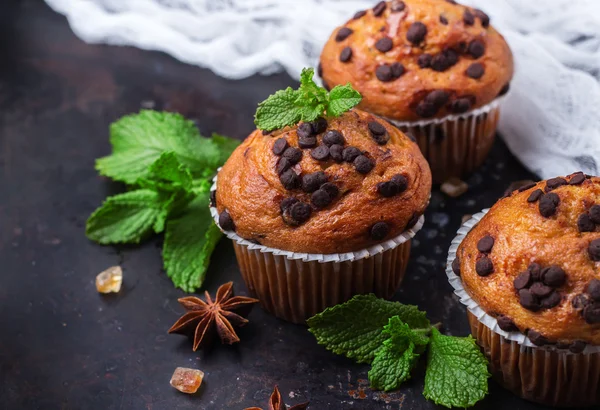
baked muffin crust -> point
(400, 52)
(534, 262)
(331, 186)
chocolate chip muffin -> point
(433, 67)
(322, 210)
(531, 266)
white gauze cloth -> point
(550, 119)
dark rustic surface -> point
(64, 346)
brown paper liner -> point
(456, 145)
(294, 290)
(552, 377)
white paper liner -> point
(322, 258)
(452, 117)
(473, 306)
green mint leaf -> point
(279, 110)
(457, 374)
(398, 355)
(138, 140)
(128, 217)
(355, 328)
(189, 242)
(341, 99)
(168, 174)
(310, 92)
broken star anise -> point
(220, 315)
(275, 403)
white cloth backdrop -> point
(551, 119)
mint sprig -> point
(307, 103)
(392, 337)
(168, 167)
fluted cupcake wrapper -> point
(295, 286)
(546, 374)
(455, 145)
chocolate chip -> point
(388, 189)
(593, 289)
(551, 300)
(475, 71)
(397, 70)
(289, 179)
(476, 49)
(505, 323)
(536, 271)
(579, 302)
(359, 14)
(554, 183)
(585, 223)
(594, 250)
(226, 222)
(332, 137)
(548, 204)
(460, 105)
(439, 62)
(577, 346)
(443, 20)
(595, 214)
(504, 89)
(484, 266)
(319, 125)
(350, 153)
(540, 290)
(266, 132)
(451, 2)
(379, 8)
(456, 266)
(343, 34)
(321, 153)
(346, 54)
(522, 281)
(438, 98)
(283, 165)
(485, 244)
(577, 178)
(312, 182)
(535, 195)
(320, 69)
(280, 146)
(528, 300)
(320, 199)
(335, 151)
(527, 186)
(287, 203)
(331, 189)
(294, 155)
(213, 198)
(536, 338)
(305, 130)
(451, 56)
(485, 19)
(412, 221)
(554, 276)
(300, 212)
(424, 60)
(384, 44)
(416, 32)
(363, 164)
(401, 181)
(378, 132)
(379, 231)
(397, 6)
(307, 142)
(591, 313)
(468, 18)
(384, 73)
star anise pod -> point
(275, 403)
(220, 315)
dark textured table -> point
(64, 346)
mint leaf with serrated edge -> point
(355, 328)
(307, 103)
(138, 140)
(167, 173)
(398, 355)
(341, 99)
(457, 374)
(128, 217)
(189, 242)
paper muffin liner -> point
(455, 145)
(295, 286)
(545, 375)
